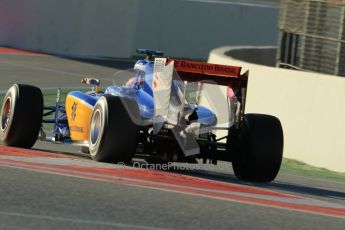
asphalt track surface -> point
(41, 199)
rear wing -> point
(193, 71)
(169, 104)
(230, 76)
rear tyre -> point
(261, 148)
(21, 116)
(113, 133)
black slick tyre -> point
(113, 133)
(21, 116)
(260, 150)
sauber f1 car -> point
(157, 116)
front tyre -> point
(113, 135)
(261, 148)
(21, 116)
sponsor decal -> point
(157, 70)
(206, 68)
(74, 109)
(76, 129)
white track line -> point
(78, 221)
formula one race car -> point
(156, 115)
